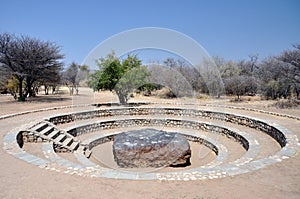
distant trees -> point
(185, 80)
(273, 77)
(238, 76)
(239, 85)
(73, 75)
(120, 76)
(170, 78)
(3, 82)
(52, 81)
(279, 76)
(29, 62)
(178, 75)
(291, 61)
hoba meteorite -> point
(150, 148)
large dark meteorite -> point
(150, 148)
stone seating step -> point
(60, 138)
(74, 146)
(68, 141)
(53, 134)
(46, 131)
(87, 153)
(39, 127)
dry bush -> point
(236, 100)
(165, 93)
(290, 103)
(202, 97)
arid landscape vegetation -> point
(34, 87)
(29, 64)
(120, 100)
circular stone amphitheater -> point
(225, 141)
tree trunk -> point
(122, 98)
(77, 90)
(71, 90)
(46, 90)
(53, 89)
(30, 91)
(21, 97)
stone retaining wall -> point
(60, 149)
(101, 140)
(28, 136)
(204, 142)
(14, 139)
(113, 124)
(255, 110)
(237, 119)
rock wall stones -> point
(241, 120)
(101, 140)
(114, 124)
(28, 136)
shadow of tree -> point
(49, 99)
(37, 99)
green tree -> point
(122, 77)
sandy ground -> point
(19, 179)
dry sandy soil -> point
(19, 179)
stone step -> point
(39, 127)
(47, 130)
(81, 149)
(87, 153)
(60, 138)
(74, 146)
(53, 134)
(68, 141)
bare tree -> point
(3, 81)
(171, 78)
(73, 75)
(187, 73)
(279, 75)
(291, 63)
(28, 60)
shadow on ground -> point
(37, 99)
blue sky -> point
(230, 29)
